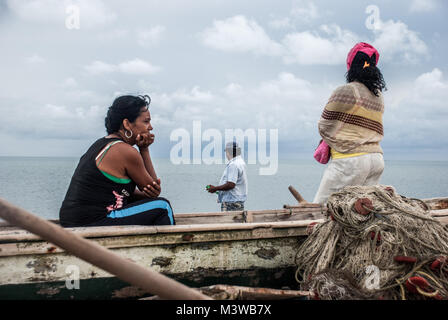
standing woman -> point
(352, 125)
(102, 191)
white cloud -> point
(195, 95)
(265, 91)
(151, 36)
(423, 5)
(135, 67)
(305, 11)
(99, 67)
(145, 37)
(69, 83)
(302, 13)
(281, 23)
(328, 45)
(287, 103)
(423, 95)
(431, 89)
(394, 40)
(35, 10)
(55, 121)
(92, 13)
(35, 59)
(416, 111)
(311, 48)
(113, 34)
(239, 34)
(233, 89)
(138, 67)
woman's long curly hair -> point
(363, 69)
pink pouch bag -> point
(322, 153)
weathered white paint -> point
(219, 256)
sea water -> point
(39, 184)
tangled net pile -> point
(376, 245)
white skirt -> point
(362, 170)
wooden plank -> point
(237, 216)
(443, 220)
(248, 216)
(289, 215)
(439, 213)
(43, 247)
(300, 212)
(297, 213)
(437, 203)
(229, 292)
(86, 232)
(212, 217)
(299, 206)
(259, 221)
(296, 195)
(208, 218)
(96, 232)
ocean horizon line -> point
(281, 158)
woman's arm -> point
(144, 152)
(339, 106)
(143, 143)
(138, 195)
(135, 169)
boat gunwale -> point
(17, 235)
(132, 230)
(308, 207)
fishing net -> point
(376, 244)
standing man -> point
(232, 189)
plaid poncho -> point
(352, 120)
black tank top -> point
(91, 195)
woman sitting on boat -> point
(352, 125)
(102, 191)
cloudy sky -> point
(262, 64)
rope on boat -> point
(376, 244)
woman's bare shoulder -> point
(124, 151)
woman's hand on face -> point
(144, 140)
(153, 191)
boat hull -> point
(247, 248)
(254, 256)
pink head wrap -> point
(363, 47)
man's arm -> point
(224, 187)
(232, 178)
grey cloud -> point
(280, 78)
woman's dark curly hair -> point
(125, 107)
(370, 75)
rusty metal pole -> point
(149, 280)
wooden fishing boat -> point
(244, 248)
